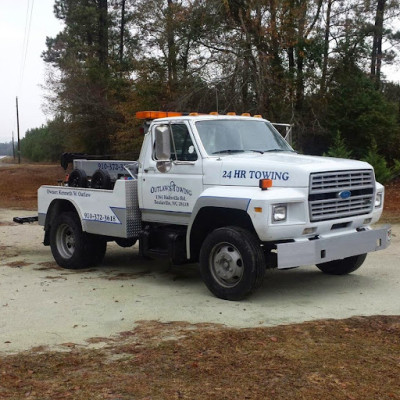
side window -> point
(182, 143)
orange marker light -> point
(231, 113)
(213, 113)
(246, 115)
(257, 116)
(258, 209)
(156, 114)
(264, 184)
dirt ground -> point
(353, 358)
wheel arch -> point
(55, 208)
(213, 216)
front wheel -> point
(71, 247)
(232, 263)
(344, 266)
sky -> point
(22, 70)
(14, 82)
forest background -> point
(316, 64)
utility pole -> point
(19, 144)
(13, 145)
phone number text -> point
(111, 166)
(100, 217)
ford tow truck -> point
(225, 191)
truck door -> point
(171, 188)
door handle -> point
(149, 169)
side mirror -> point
(163, 143)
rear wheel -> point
(344, 266)
(71, 247)
(232, 263)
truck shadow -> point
(308, 282)
(298, 284)
(127, 264)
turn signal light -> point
(264, 184)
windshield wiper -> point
(228, 151)
(257, 151)
(272, 150)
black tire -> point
(122, 242)
(101, 180)
(96, 248)
(344, 266)
(243, 262)
(78, 178)
(71, 247)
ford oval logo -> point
(344, 194)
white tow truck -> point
(225, 191)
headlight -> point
(279, 212)
(378, 200)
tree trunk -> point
(300, 62)
(121, 34)
(376, 56)
(171, 53)
(326, 47)
(103, 34)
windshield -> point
(235, 136)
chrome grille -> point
(325, 187)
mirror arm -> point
(173, 140)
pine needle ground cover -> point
(19, 183)
(356, 358)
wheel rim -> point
(226, 264)
(97, 183)
(65, 241)
(74, 182)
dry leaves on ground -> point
(357, 358)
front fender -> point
(250, 208)
(215, 200)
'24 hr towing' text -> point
(244, 174)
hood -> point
(285, 169)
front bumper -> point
(323, 249)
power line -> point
(25, 45)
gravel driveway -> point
(42, 304)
